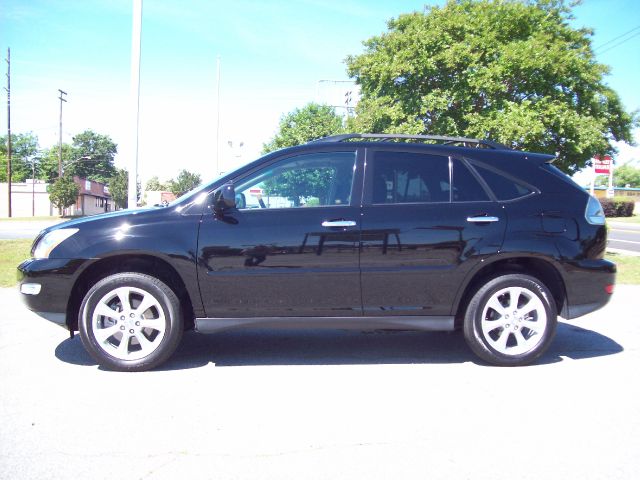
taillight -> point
(609, 289)
(594, 213)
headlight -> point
(51, 240)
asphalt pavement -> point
(15, 229)
(323, 405)
(624, 236)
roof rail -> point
(395, 136)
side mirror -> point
(224, 198)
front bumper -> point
(46, 285)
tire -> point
(511, 320)
(130, 322)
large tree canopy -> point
(304, 124)
(511, 71)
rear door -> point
(427, 220)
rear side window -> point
(402, 177)
(466, 187)
(503, 187)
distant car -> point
(353, 231)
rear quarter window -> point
(503, 186)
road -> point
(14, 229)
(323, 405)
(624, 236)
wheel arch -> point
(139, 263)
(542, 269)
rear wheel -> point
(511, 320)
(130, 322)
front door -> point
(291, 246)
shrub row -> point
(617, 206)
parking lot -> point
(323, 405)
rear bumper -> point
(589, 285)
(45, 286)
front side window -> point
(312, 180)
(402, 177)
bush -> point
(617, 206)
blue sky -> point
(273, 53)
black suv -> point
(351, 231)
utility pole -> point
(33, 186)
(9, 130)
(60, 142)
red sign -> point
(603, 164)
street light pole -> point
(136, 35)
(217, 172)
(60, 142)
(9, 131)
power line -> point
(619, 43)
(600, 47)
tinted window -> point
(313, 180)
(400, 177)
(503, 187)
(466, 187)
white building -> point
(31, 199)
(28, 199)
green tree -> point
(304, 124)
(184, 182)
(511, 71)
(92, 157)
(624, 175)
(301, 185)
(47, 168)
(155, 185)
(24, 148)
(63, 192)
(119, 188)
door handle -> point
(338, 223)
(482, 219)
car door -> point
(427, 220)
(290, 248)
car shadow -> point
(339, 347)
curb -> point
(620, 251)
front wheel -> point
(130, 322)
(511, 320)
